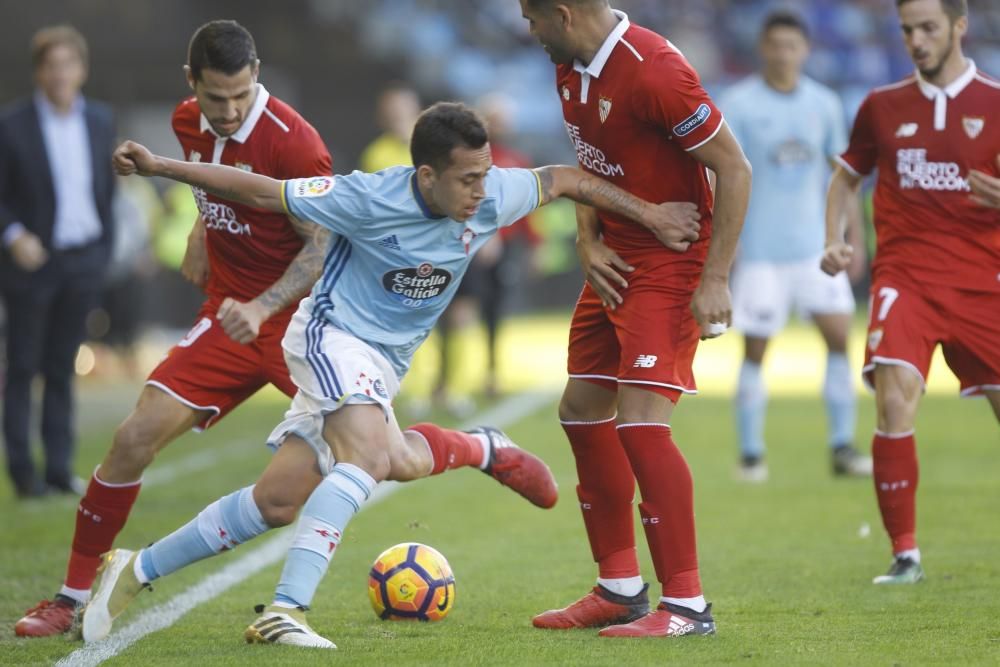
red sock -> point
(896, 474)
(100, 517)
(450, 449)
(667, 506)
(606, 491)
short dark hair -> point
(225, 46)
(57, 35)
(442, 128)
(547, 4)
(784, 19)
(955, 9)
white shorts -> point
(331, 368)
(764, 294)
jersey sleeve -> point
(518, 192)
(307, 155)
(670, 94)
(339, 203)
(862, 151)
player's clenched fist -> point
(675, 224)
(133, 158)
(836, 257)
(241, 321)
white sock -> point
(81, 596)
(140, 574)
(284, 605)
(485, 442)
(628, 586)
(695, 604)
(912, 554)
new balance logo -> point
(645, 361)
(906, 130)
(390, 242)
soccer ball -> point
(411, 581)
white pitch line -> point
(250, 562)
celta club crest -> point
(467, 236)
(973, 126)
(603, 108)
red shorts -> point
(650, 339)
(906, 322)
(208, 370)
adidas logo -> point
(390, 242)
(679, 626)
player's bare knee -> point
(276, 512)
(372, 456)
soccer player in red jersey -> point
(254, 265)
(638, 116)
(936, 271)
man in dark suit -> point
(55, 219)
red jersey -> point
(633, 114)
(924, 140)
(249, 249)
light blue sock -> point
(838, 392)
(319, 530)
(751, 408)
(223, 525)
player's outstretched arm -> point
(674, 223)
(242, 321)
(841, 196)
(226, 182)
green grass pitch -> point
(786, 564)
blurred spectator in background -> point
(790, 128)
(116, 323)
(55, 214)
(397, 109)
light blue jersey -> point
(395, 266)
(789, 139)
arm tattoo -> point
(304, 270)
(593, 192)
(601, 194)
(545, 179)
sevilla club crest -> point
(973, 126)
(604, 108)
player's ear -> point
(255, 70)
(564, 15)
(962, 25)
(426, 175)
(189, 76)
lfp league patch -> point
(314, 187)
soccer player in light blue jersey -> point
(790, 127)
(405, 236)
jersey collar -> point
(952, 90)
(256, 111)
(600, 58)
(420, 199)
